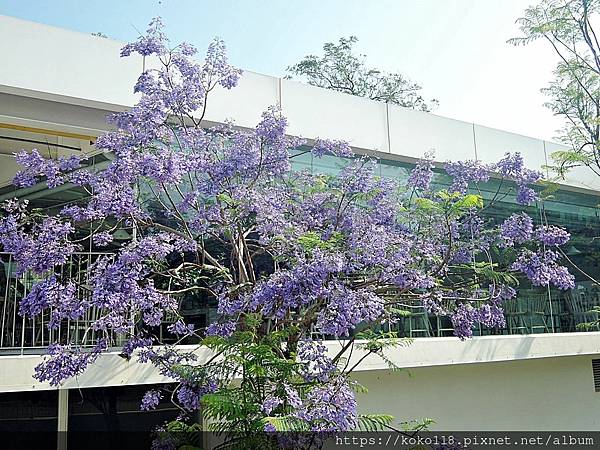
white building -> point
(57, 86)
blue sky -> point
(455, 48)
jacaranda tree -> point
(292, 258)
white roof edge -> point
(89, 72)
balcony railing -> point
(531, 312)
(18, 332)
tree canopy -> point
(340, 69)
(291, 258)
(569, 27)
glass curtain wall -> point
(535, 310)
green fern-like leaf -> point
(374, 422)
(286, 423)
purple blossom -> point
(324, 147)
(292, 397)
(517, 229)
(45, 246)
(134, 343)
(269, 428)
(329, 407)
(59, 298)
(153, 42)
(35, 167)
(421, 176)
(317, 365)
(180, 328)
(189, 395)
(270, 404)
(513, 168)
(542, 269)
(102, 239)
(216, 66)
(465, 173)
(552, 235)
(490, 315)
(223, 329)
(151, 400)
(463, 320)
(347, 308)
(66, 361)
(526, 195)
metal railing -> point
(533, 311)
(20, 332)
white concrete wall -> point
(51, 62)
(554, 394)
(524, 394)
(44, 62)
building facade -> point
(56, 88)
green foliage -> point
(286, 423)
(181, 435)
(311, 240)
(374, 422)
(449, 205)
(549, 189)
(427, 205)
(487, 272)
(417, 425)
(467, 202)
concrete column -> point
(63, 419)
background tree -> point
(569, 27)
(342, 70)
(291, 258)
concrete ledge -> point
(112, 370)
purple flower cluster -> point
(269, 404)
(517, 229)
(542, 269)
(223, 329)
(216, 67)
(40, 248)
(102, 239)
(347, 308)
(189, 395)
(513, 168)
(151, 400)
(465, 316)
(135, 343)
(65, 361)
(153, 42)
(121, 289)
(329, 407)
(552, 236)
(316, 363)
(36, 166)
(324, 147)
(420, 177)
(465, 173)
(180, 328)
(59, 298)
